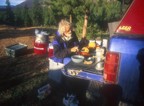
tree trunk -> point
(70, 18)
(85, 26)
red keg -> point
(40, 44)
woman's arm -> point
(59, 50)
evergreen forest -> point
(48, 13)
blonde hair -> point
(62, 24)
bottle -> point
(50, 50)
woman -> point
(65, 42)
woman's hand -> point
(74, 49)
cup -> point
(50, 50)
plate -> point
(89, 60)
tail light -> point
(111, 67)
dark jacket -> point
(62, 47)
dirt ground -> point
(17, 73)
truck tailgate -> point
(130, 77)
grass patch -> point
(21, 78)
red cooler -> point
(40, 48)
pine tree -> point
(19, 21)
(37, 14)
(26, 17)
(9, 15)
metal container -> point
(41, 38)
(99, 59)
(16, 49)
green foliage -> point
(92, 29)
(79, 26)
(18, 17)
(26, 17)
(78, 13)
(1, 17)
(49, 18)
(37, 13)
(126, 1)
(66, 10)
(113, 11)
